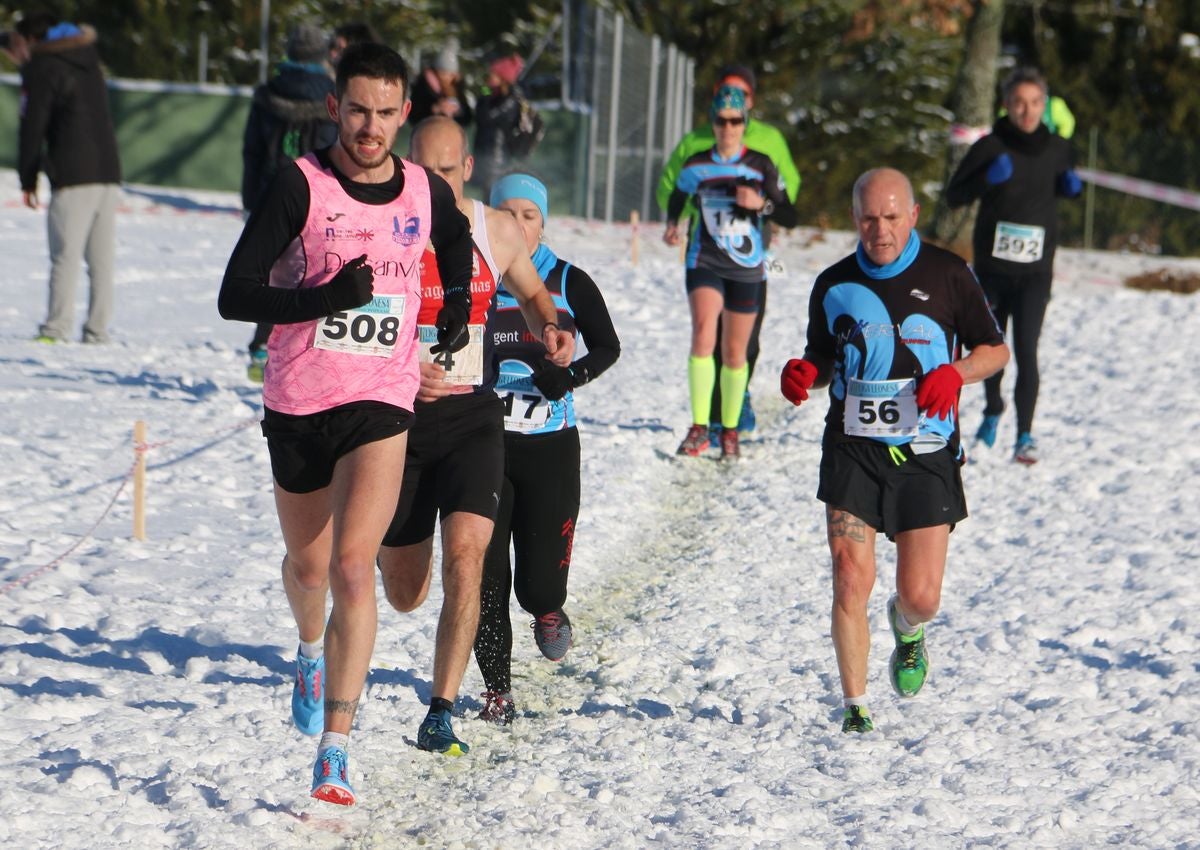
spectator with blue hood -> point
(735, 190)
(539, 499)
(288, 118)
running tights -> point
(539, 504)
(1024, 299)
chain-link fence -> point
(640, 100)
(623, 102)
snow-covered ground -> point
(144, 685)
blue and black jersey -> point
(724, 237)
(885, 327)
(581, 310)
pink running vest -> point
(365, 354)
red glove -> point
(797, 378)
(937, 394)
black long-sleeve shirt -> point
(595, 325)
(1028, 198)
(245, 291)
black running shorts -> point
(304, 449)
(455, 463)
(740, 296)
(862, 478)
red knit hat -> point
(508, 68)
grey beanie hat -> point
(307, 43)
(446, 60)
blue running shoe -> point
(308, 695)
(987, 431)
(437, 735)
(330, 780)
(747, 420)
(714, 433)
(1026, 451)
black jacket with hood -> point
(66, 127)
(288, 118)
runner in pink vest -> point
(331, 257)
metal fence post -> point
(1089, 205)
(590, 209)
(669, 102)
(651, 119)
(614, 106)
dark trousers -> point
(262, 332)
(1023, 298)
(539, 504)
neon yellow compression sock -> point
(702, 374)
(733, 392)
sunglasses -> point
(729, 122)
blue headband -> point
(728, 97)
(521, 186)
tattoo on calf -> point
(843, 524)
(341, 706)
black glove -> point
(351, 287)
(554, 381)
(451, 324)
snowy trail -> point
(144, 686)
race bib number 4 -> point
(371, 330)
(1018, 243)
(881, 408)
(463, 367)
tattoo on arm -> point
(844, 524)
(341, 706)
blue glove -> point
(1000, 170)
(1069, 184)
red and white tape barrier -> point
(1141, 188)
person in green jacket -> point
(765, 139)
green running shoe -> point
(857, 719)
(910, 662)
(258, 365)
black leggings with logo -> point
(539, 504)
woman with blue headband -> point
(735, 190)
(539, 501)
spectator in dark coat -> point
(288, 118)
(66, 130)
(289, 115)
(508, 128)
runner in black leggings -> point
(1017, 172)
(539, 500)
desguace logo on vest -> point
(381, 268)
(410, 233)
